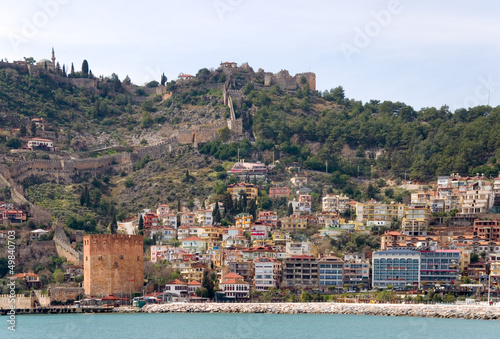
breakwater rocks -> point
(394, 310)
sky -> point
(423, 53)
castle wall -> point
(65, 250)
(113, 264)
(63, 294)
(84, 82)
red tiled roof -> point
(176, 282)
(194, 282)
(193, 239)
(23, 275)
(233, 275)
(233, 281)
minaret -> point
(53, 58)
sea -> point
(242, 325)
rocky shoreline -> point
(479, 312)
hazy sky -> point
(423, 53)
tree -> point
(127, 81)
(163, 79)
(22, 130)
(29, 61)
(85, 68)
(224, 133)
(58, 276)
(113, 226)
(33, 129)
(252, 209)
(289, 212)
(216, 213)
(64, 71)
(208, 283)
(72, 70)
(474, 258)
(141, 225)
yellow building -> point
(294, 222)
(373, 210)
(236, 190)
(243, 220)
(416, 220)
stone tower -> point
(112, 264)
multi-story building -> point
(373, 210)
(237, 190)
(294, 222)
(204, 217)
(439, 267)
(299, 180)
(244, 169)
(392, 239)
(243, 220)
(422, 198)
(13, 216)
(243, 268)
(300, 272)
(331, 271)
(169, 220)
(305, 203)
(279, 192)
(300, 248)
(235, 287)
(488, 229)
(188, 218)
(151, 220)
(335, 203)
(478, 199)
(268, 218)
(260, 231)
(267, 273)
(162, 211)
(416, 220)
(397, 268)
(356, 270)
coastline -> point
(478, 312)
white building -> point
(267, 273)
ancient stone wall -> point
(83, 82)
(65, 250)
(63, 294)
(113, 264)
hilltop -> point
(204, 122)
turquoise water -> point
(243, 326)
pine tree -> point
(85, 68)
(113, 226)
(252, 208)
(72, 70)
(216, 213)
(163, 79)
(290, 210)
(87, 197)
(179, 206)
(33, 129)
(83, 197)
(22, 130)
(64, 71)
(141, 225)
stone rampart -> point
(65, 250)
(64, 294)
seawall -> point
(395, 310)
